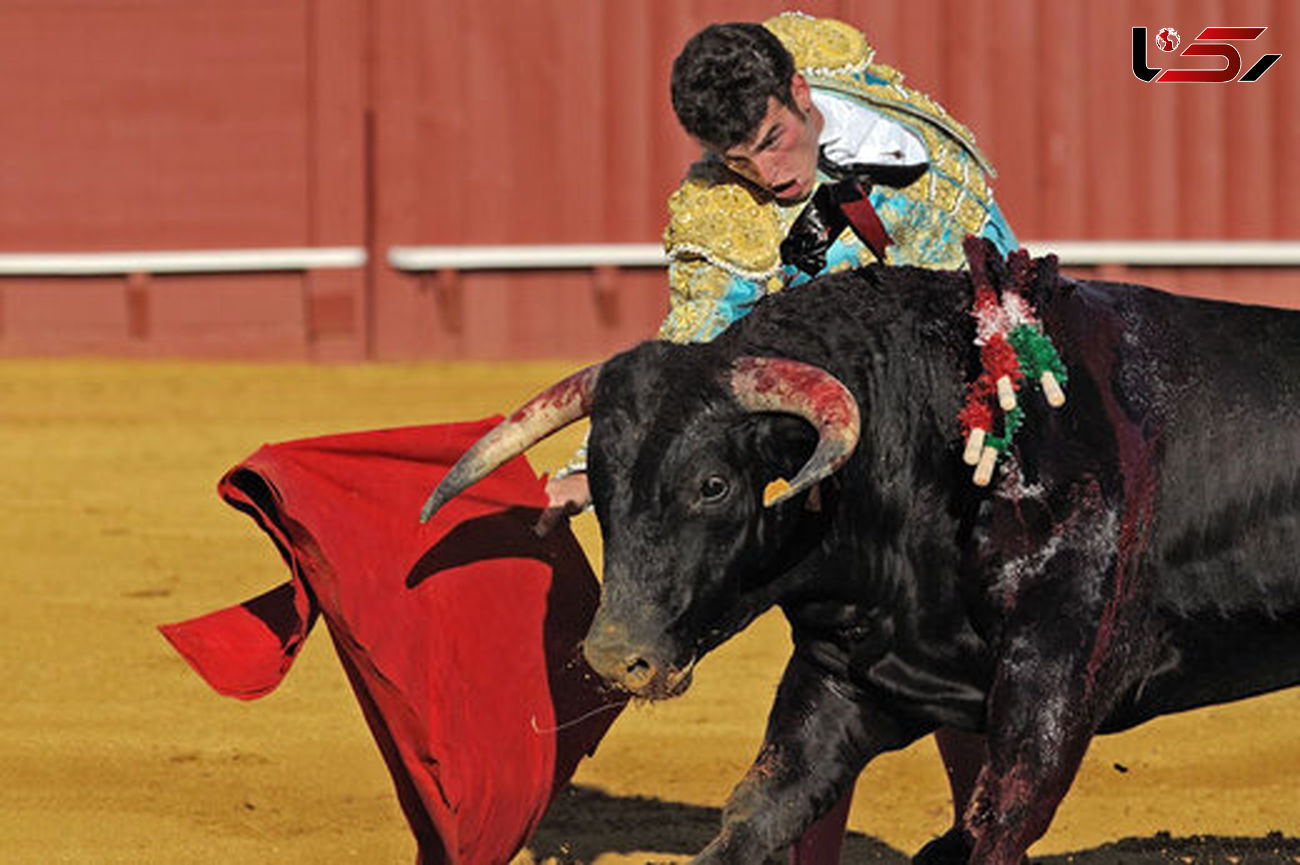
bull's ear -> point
(781, 443)
(769, 384)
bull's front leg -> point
(1072, 642)
(1040, 724)
(819, 737)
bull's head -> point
(681, 464)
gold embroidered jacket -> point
(723, 235)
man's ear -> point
(800, 92)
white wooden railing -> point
(1141, 253)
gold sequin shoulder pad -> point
(716, 216)
(837, 56)
(822, 45)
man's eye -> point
(714, 488)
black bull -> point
(1135, 555)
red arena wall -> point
(348, 128)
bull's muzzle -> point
(631, 665)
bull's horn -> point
(550, 411)
(776, 384)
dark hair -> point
(723, 78)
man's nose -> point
(768, 168)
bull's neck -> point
(909, 367)
(923, 361)
(897, 520)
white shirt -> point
(853, 133)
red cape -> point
(460, 637)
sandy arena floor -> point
(112, 750)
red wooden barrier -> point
(243, 124)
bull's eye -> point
(714, 488)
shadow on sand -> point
(584, 823)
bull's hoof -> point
(951, 848)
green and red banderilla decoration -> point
(1013, 349)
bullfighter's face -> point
(781, 156)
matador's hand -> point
(566, 497)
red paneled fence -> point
(303, 142)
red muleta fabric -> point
(460, 637)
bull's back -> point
(1215, 391)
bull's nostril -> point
(638, 673)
